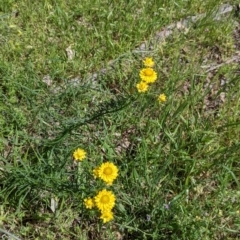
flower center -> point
(108, 171)
(105, 199)
(148, 72)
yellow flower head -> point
(106, 216)
(95, 172)
(142, 87)
(162, 98)
(89, 203)
(105, 200)
(148, 75)
(79, 154)
(108, 172)
(148, 62)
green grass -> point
(178, 161)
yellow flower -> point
(79, 154)
(106, 216)
(95, 172)
(108, 172)
(89, 203)
(148, 75)
(148, 62)
(142, 87)
(162, 98)
(105, 200)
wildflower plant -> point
(105, 199)
(104, 202)
(148, 76)
(95, 198)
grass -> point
(178, 161)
